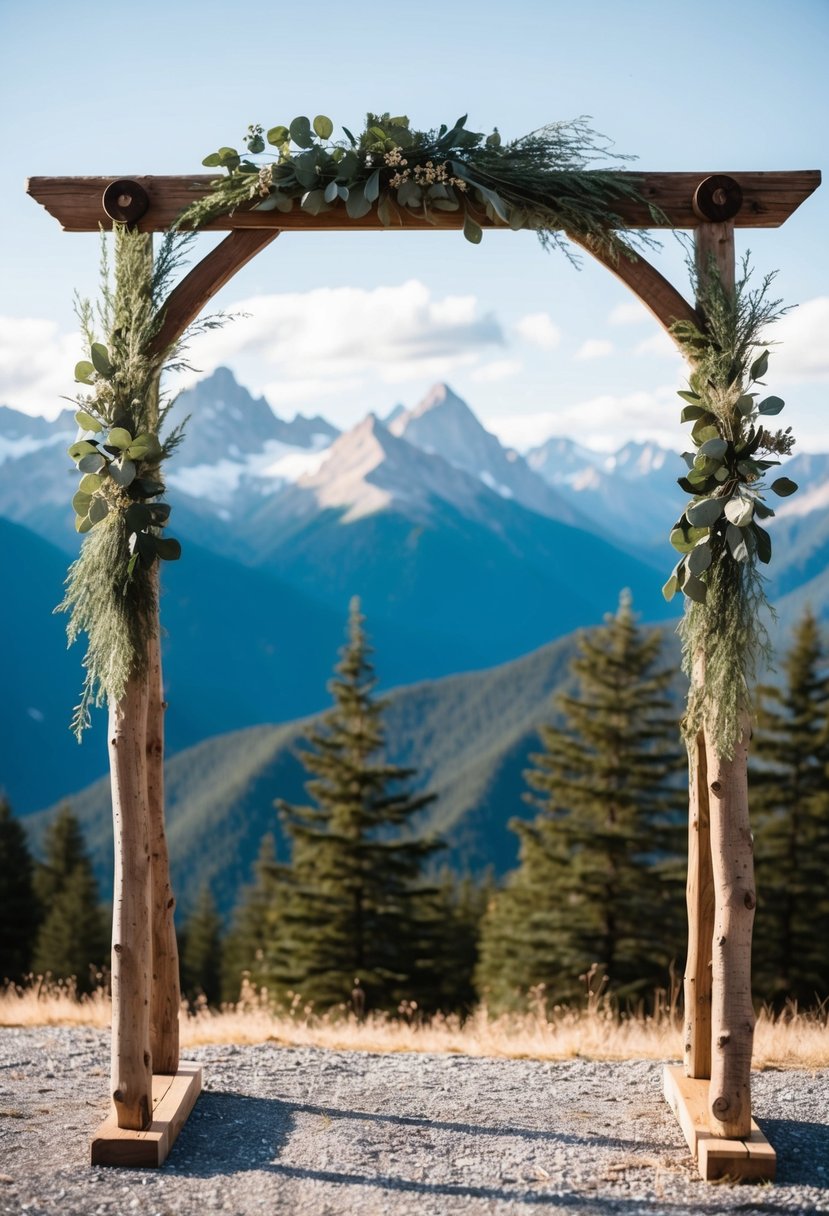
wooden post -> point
(700, 901)
(166, 993)
(732, 862)
(732, 1013)
(131, 958)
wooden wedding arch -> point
(152, 1091)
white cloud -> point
(660, 344)
(499, 369)
(539, 329)
(332, 336)
(36, 365)
(603, 422)
(595, 348)
(629, 313)
(803, 353)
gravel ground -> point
(320, 1133)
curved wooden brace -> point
(208, 276)
(659, 296)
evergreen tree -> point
(790, 808)
(460, 906)
(598, 880)
(356, 907)
(72, 939)
(201, 951)
(19, 914)
(256, 933)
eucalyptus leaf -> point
(83, 523)
(278, 136)
(139, 515)
(331, 192)
(760, 366)
(687, 395)
(123, 473)
(313, 202)
(745, 405)
(690, 413)
(300, 132)
(87, 422)
(472, 230)
(715, 449)
(85, 372)
(168, 548)
(695, 589)
(100, 360)
(763, 543)
(680, 541)
(372, 186)
(119, 438)
(213, 161)
(671, 587)
(81, 501)
(739, 511)
(144, 447)
(784, 486)
(323, 126)
(771, 405)
(146, 547)
(98, 509)
(92, 463)
(705, 512)
(90, 483)
(700, 557)
(147, 487)
(357, 205)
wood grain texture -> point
(76, 202)
(131, 1088)
(732, 1012)
(699, 894)
(165, 997)
(173, 1100)
(747, 1159)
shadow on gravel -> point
(801, 1147)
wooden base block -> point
(173, 1099)
(750, 1160)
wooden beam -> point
(750, 1159)
(208, 276)
(173, 1099)
(659, 296)
(76, 202)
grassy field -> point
(794, 1039)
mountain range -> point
(469, 558)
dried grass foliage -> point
(794, 1039)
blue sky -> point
(341, 323)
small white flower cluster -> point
(424, 175)
(395, 157)
(265, 181)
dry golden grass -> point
(793, 1040)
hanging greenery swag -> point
(111, 590)
(719, 535)
(545, 181)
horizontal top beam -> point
(76, 202)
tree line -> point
(361, 912)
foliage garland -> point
(718, 534)
(111, 589)
(541, 181)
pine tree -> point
(72, 939)
(598, 880)
(460, 905)
(201, 951)
(790, 809)
(257, 929)
(19, 912)
(357, 907)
